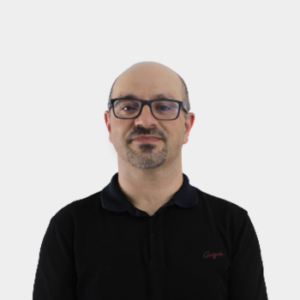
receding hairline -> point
(183, 86)
(184, 90)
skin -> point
(149, 173)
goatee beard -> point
(147, 159)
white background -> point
(240, 61)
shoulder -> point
(76, 211)
(220, 209)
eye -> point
(163, 107)
(127, 107)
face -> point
(148, 81)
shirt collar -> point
(113, 199)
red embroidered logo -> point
(213, 255)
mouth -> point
(146, 139)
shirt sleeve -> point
(56, 277)
(246, 275)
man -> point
(149, 234)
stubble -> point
(148, 157)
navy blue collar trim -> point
(113, 199)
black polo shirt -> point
(196, 246)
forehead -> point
(148, 82)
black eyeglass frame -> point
(149, 103)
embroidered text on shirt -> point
(213, 255)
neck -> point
(149, 189)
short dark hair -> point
(185, 94)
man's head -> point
(147, 81)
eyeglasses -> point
(161, 109)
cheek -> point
(175, 141)
(118, 134)
(180, 138)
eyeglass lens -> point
(162, 109)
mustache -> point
(142, 130)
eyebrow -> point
(158, 96)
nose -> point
(146, 118)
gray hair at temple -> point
(184, 90)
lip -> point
(146, 138)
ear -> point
(107, 123)
(189, 122)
